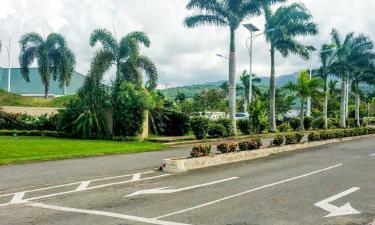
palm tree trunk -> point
(46, 89)
(347, 100)
(357, 105)
(232, 81)
(272, 119)
(302, 115)
(325, 106)
(343, 104)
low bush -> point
(251, 144)
(176, 124)
(314, 136)
(34, 133)
(200, 127)
(293, 138)
(318, 123)
(227, 123)
(326, 135)
(201, 150)
(295, 123)
(333, 123)
(351, 123)
(244, 126)
(278, 140)
(125, 139)
(307, 122)
(14, 121)
(285, 127)
(217, 131)
(227, 147)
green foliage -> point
(176, 124)
(210, 101)
(251, 144)
(11, 99)
(200, 150)
(258, 117)
(294, 138)
(308, 122)
(34, 133)
(129, 110)
(227, 147)
(295, 123)
(217, 131)
(278, 140)
(318, 123)
(244, 126)
(227, 124)
(11, 121)
(285, 127)
(314, 136)
(200, 127)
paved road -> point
(306, 187)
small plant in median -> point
(227, 147)
(252, 144)
(314, 136)
(200, 150)
(278, 140)
(294, 138)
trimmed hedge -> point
(34, 133)
(201, 150)
(227, 147)
(294, 138)
(278, 140)
(333, 134)
(251, 144)
(200, 127)
(217, 131)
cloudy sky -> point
(183, 56)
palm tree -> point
(54, 59)
(327, 57)
(245, 80)
(125, 55)
(287, 23)
(305, 88)
(226, 13)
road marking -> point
(166, 190)
(75, 190)
(83, 185)
(107, 214)
(333, 210)
(247, 192)
(136, 177)
(372, 154)
(17, 198)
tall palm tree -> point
(327, 57)
(245, 80)
(341, 68)
(305, 88)
(54, 58)
(226, 13)
(125, 55)
(287, 23)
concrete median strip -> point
(177, 165)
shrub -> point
(253, 143)
(200, 150)
(227, 147)
(227, 123)
(285, 127)
(307, 122)
(217, 131)
(176, 124)
(333, 123)
(294, 138)
(295, 123)
(200, 127)
(314, 136)
(34, 133)
(318, 123)
(326, 135)
(244, 126)
(13, 121)
(351, 122)
(278, 140)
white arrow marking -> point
(347, 209)
(166, 190)
(18, 198)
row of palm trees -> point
(352, 58)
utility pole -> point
(9, 64)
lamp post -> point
(249, 44)
(308, 113)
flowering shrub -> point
(200, 150)
(253, 143)
(227, 147)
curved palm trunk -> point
(232, 81)
(343, 104)
(302, 114)
(272, 119)
(357, 105)
(325, 106)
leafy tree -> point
(54, 58)
(258, 116)
(210, 101)
(180, 98)
(245, 80)
(226, 13)
(288, 22)
(304, 88)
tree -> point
(226, 13)
(286, 23)
(125, 55)
(180, 98)
(54, 58)
(327, 57)
(304, 88)
(245, 80)
(209, 101)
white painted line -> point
(136, 177)
(246, 192)
(165, 190)
(71, 184)
(17, 198)
(107, 214)
(83, 185)
(372, 154)
(333, 210)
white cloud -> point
(183, 56)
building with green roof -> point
(35, 87)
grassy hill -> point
(10, 99)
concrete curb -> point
(178, 165)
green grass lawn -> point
(24, 149)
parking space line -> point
(246, 192)
(107, 214)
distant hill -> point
(192, 90)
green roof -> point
(35, 87)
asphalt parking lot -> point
(333, 184)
